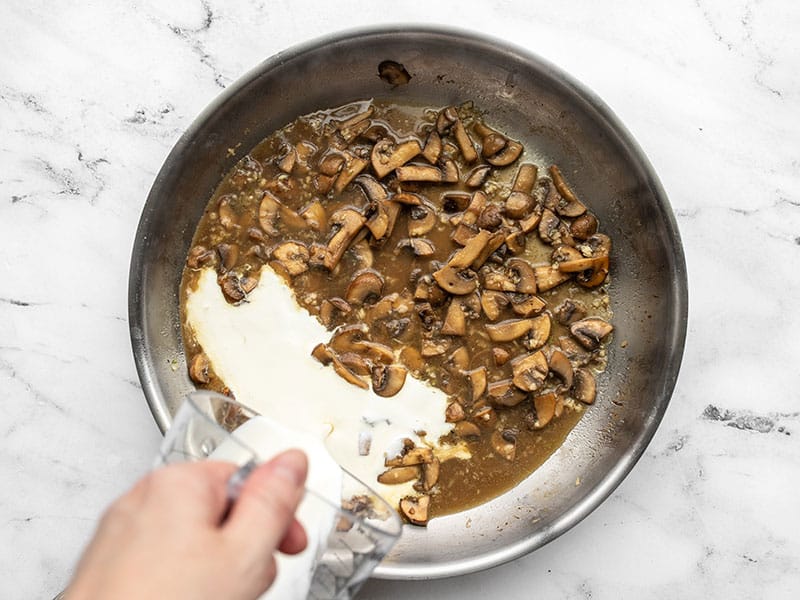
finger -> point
(262, 515)
(295, 540)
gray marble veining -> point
(92, 98)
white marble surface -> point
(93, 96)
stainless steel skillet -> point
(556, 118)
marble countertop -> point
(94, 95)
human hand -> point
(170, 537)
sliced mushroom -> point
(331, 164)
(547, 277)
(348, 222)
(415, 509)
(373, 189)
(477, 176)
(574, 351)
(315, 215)
(507, 155)
(419, 246)
(464, 142)
(515, 242)
(357, 118)
(286, 161)
(388, 380)
(545, 405)
(346, 374)
(462, 234)
(430, 474)
(584, 226)
(199, 368)
(504, 444)
(590, 331)
(455, 321)
(491, 217)
(549, 230)
(500, 356)
(455, 201)
(454, 412)
(560, 365)
(433, 147)
(412, 358)
(397, 475)
(374, 351)
(268, 213)
(353, 165)
(387, 156)
(540, 332)
(417, 172)
(393, 73)
(504, 393)
(526, 283)
(227, 216)
(421, 219)
(532, 220)
(323, 353)
(477, 382)
(493, 143)
(330, 307)
(199, 256)
(293, 256)
(433, 347)
(467, 429)
(235, 288)
(518, 205)
(408, 198)
(595, 275)
(485, 417)
(455, 281)
(526, 305)
(356, 363)
(569, 206)
(584, 388)
(525, 178)
(508, 330)
(228, 255)
(492, 303)
(459, 358)
(347, 337)
(411, 455)
(495, 241)
(530, 371)
(569, 311)
(365, 285)
(450, 172)
(464, 257)
(499, 281)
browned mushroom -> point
(408, 198)
(569, 205)
(373, 189)
(397, 475)
(477, 382)
(560, 365)
(411, 455)
(584, 226)
(549, 230)
(540, 332)
(503, 393)
(569, 311)
(378, 353)
(455, 281)
(200, 256)
(500, 356)
(356, 118)
(526, 305)
(584, 387)
(417, 172)
(412, 358)
(485, 417)
(430, 474)
(227, 216)
(331, 164)
(347, 223)
(504, 444)
(492, 303)
(286, 161)
(365, 285)
(518, 205)
(419, 246)
(228, 255)
(462, 234)
(477, 176)
(493, 143)
(323, 353)
(346, 374)
(464, 142)
(235, 288)
(545, 405)
(467, 429)
(459, 358)
(464, 257)
(393, 73)
(450, 172)
(547, 277)
(455, 201)
(433, 147)
(526, 276)
(433, 347)
(293, 256)
(595, 275)
(421, 219)
(315, 216)
(590, 331)
(491, 217)
(268, 213)
(415, 509)
(454, 412)
(353, 165)
(387, 156)
(508, 330)
(516, 242)
(330, 307)
(455, 321)
(507, 155)
(530, 371)
(199, 368)
(356, 363)
(388, 380)
(525, 178)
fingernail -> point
(291, 466)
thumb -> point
(264, 511)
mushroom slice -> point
(530, 371)
(364, 286)
(500, 356)
(584, 226)
(477, 176)
(416, 172)
(569, 206)
(455, 281)
(331, 164)
(549, 230)
(393, 73)
(415, 509)
(407, 198)
(518, 204)
(446, 118)
(454, 412)
(596, 275)
(353, 165)
(467, 429)
(381, 223)
(504, 393)
(346, 374)
(477, 382)
(590, 331)
(374, 190)
(462, 234)
(387, 156)
(492, 303)
(498, 281)
(459, 358)
(329, 307)
(494, 243)
(545, 405)
(560, 365)
(356, 363)
(431, 347)
(199, 368)
(421, 219)
(433, 147)
(228, 255)
(493, 143)
(485, 416)
(526, 283)
(584, 387)
(547, 277)
(268, 213)
(455, 201)
(347, 337)
(574, 351)
(234, 288)
(504, 444)
(455, 321)
(293, 256)
(430, 474)
(414, 455)
(356, 119)
(412, 358)
(464, 142)
(507, 155)
(526, 178)
(515, 242)
(526, 305)
(540, 332)
(388, 380)
(469, 253)
(419, 246)
(288, 159)
(227, 216)
(199, 256)
(508, 330)
(322, 353)
(397, 475)
(348, 222)
(374, 351)
(491, 217)
(450, 172)
(569, 311)
(315, 215)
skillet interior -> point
(553, 116)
